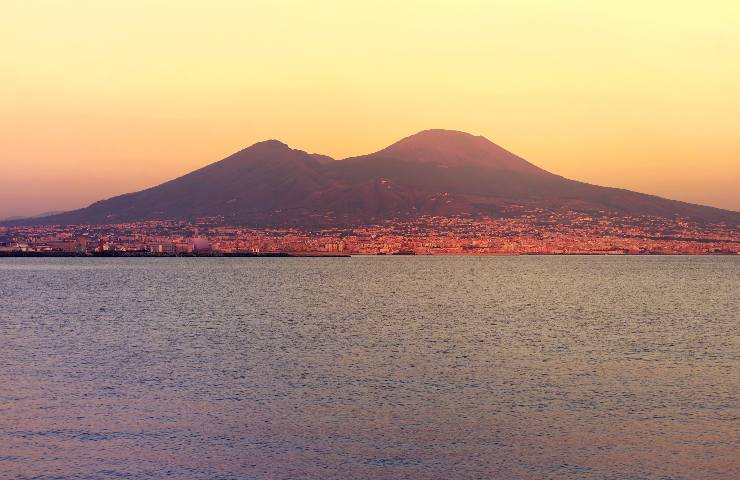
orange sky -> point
(99, 98)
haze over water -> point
(370, 367)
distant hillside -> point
(38, 215)
(435, 172)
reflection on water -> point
(370, 368)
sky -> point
(99, 98)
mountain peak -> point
(442, 133)
(272, 143)
(455, 148)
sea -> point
(524, 367)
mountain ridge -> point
(434, 172)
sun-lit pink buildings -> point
(537, 232)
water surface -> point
(370, 368)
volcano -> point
(434, 172)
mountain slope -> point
(266, 176)
(435, 172)
(478, 176)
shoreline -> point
(167, 255)
(338, 255)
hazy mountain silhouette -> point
(435, 172)
(38, 215)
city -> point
(533, 232)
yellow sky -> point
(99, 98)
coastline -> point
(338, 255)
(166, 255)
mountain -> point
(434, 172)
(451, 148)
(38, 215)
(249, 184)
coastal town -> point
(536, 232)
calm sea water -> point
(370, 368)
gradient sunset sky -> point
(99, 98)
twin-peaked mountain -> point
(435, 172)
